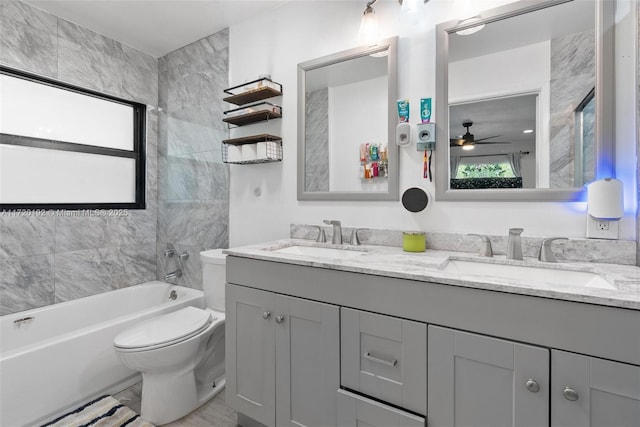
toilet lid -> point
(165, 329)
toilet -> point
(180, 354)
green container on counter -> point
(413, 241)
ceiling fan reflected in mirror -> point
(468, 141)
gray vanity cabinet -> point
(474, 380)
(385, 357)
(586, 392)
(283, 358)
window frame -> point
(138, 153)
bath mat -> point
(105, 411)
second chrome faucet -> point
(336, 239)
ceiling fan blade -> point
(456, 141)
(492, 142)
(489, 137)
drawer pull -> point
(368, 356)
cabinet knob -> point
(532, 386)
(279, 319)
(266, 314)
(570, 394)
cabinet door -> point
(250, 352)
(385, 357)
(485, 382)
(307, 362)
(587, 391)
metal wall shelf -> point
(253, 91)
(254, 149)
(250, 118)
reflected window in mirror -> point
(585, 165)
(512, 119)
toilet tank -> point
(213, 277)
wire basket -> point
(252, 153)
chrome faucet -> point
(173, 275)
(355, 240)
(546, 254)
(486, 250)
(514, 245)
(336, 239)
(322, 238)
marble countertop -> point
(389, 261)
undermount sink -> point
(531, 274)
(320, 251)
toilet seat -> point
(165, 330)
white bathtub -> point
(64, 355)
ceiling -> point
(156, 27)
(505, 118)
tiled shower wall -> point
(316, 141)
(572, 78)
(49, 259)
(193, 183)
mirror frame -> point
(392, 148)
(605, 90)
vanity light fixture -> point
(369, 29)
(471, 30)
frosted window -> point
(35, 175)
(65, 147)
(38, 110)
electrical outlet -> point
(601, 228)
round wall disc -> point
(415, 199)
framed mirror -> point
(525, 101)
(346, 125)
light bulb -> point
(369, 32)
(468, 147)
(411, 5)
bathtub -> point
(56, 357)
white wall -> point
(301, 31)
(357, 115)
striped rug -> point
(105, 411)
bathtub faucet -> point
(173, 275)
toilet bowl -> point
(180, 354)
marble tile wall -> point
(578, 250)
(317, 141)
(589, 149)
(193, 184)
(54, 258)
(572, 77)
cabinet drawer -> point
(354, 410)
(384, 357)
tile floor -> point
(213, 413)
